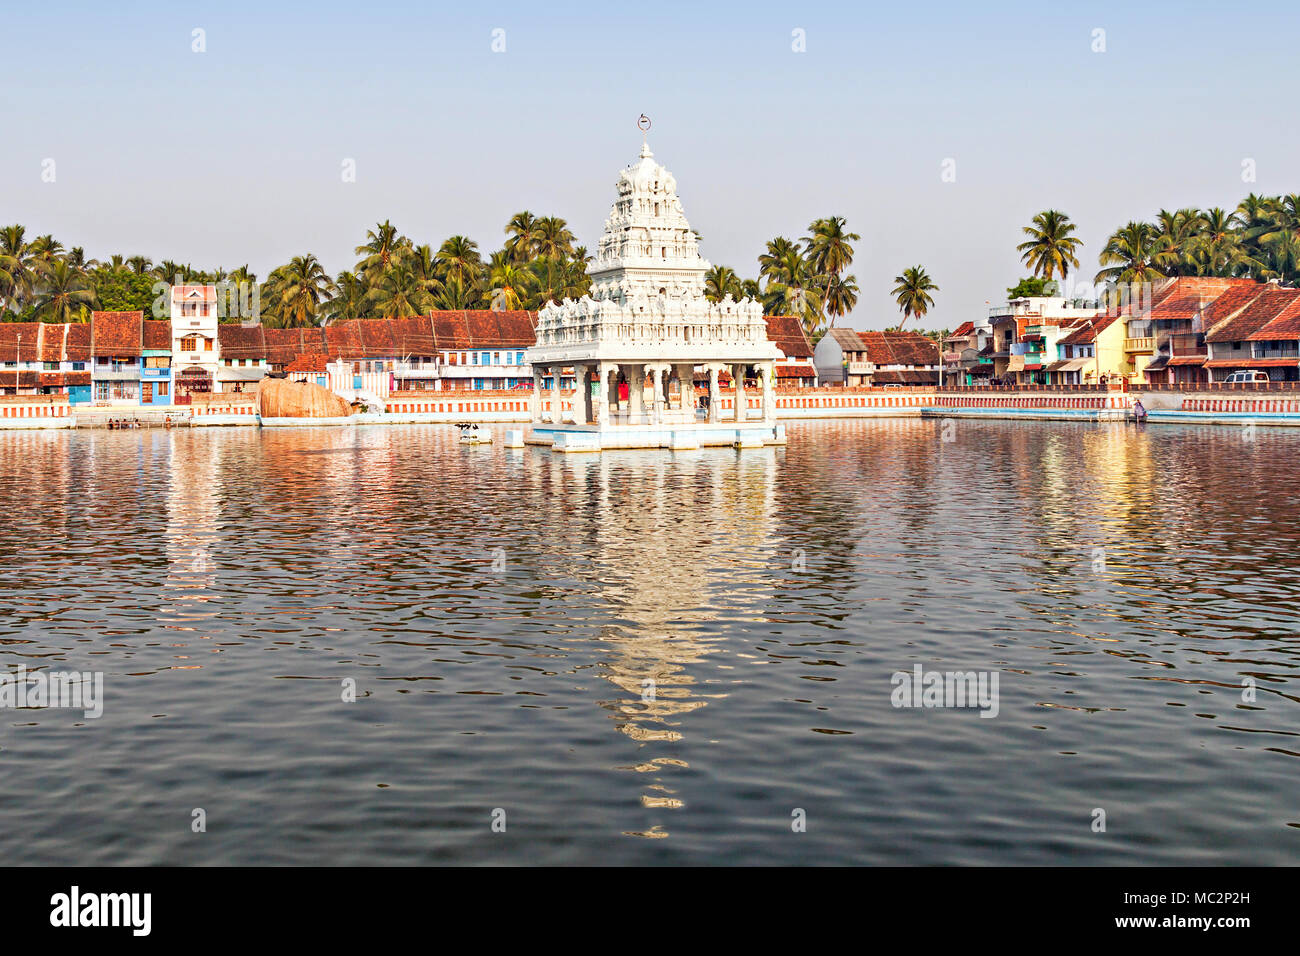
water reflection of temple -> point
(677, 545)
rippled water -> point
(501, 612)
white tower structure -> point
(646, 320)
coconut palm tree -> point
(720, 282)
(912, 293)
(510, 283)
(296, 291)
(382, 245)
(66, 294)
(552, 242)
(140, 265)
(459, 262)
(399, 292)
(841, 295)
(1130, 255)
(1052, 248)
(349, 300)
(519, 237)
(1175, 242)
(21, 267)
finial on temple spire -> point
(643, 124)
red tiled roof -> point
(1285, 325)
(1186, 360)
(1248, 362)
(308, 363)
(76, 344)
(1265, 307)
(16, 336)
(241, 341)
(52, 336)
(966, 328)
(117, 333)
(899, 348)
(158, 334)
(1086, 331)
(795, 371)
(344, 340)
(786, 332)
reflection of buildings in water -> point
(673, 541)
(192, 511)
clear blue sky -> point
(234, 155)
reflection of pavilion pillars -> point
(635, 393)
(738, 380)
(715, 413)
(686, 386)
(557, 410)
(536, 401)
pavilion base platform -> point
(569, 438)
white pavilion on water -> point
(647, 325)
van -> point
(1246, 376)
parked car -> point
(1246, 376)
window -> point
(207, 345)
(485, 359)
(496, 358)
(163, 389)
(157, 361)
(78, 366)
(521, 359)
(474, 358)
(189, 344)
(51, 366)
(101, 391)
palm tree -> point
(1175, 241)
(20, 267)
(1219, 249)
(349, 301)
(1052, 248)
(720, 282)
(912, 293)
(792, 287)
(1130, 255)
(66, 294)
(519, 236)
(399, 292)
(296, 291)
(382, 245)
(140, 265)
(510, 283)
(553, 242)
(830, 253)
(841, 296)
(458, 261)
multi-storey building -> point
(196, 350)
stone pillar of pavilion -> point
(583, 402)
(686, 387)
(656, 394)
(714, 369)
(603, 395)
(535, 403)
(738, 381)
(635, 393)
(557, 406)
(768, 371)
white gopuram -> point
(643, 330)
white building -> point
(196, 350)
(646, 320)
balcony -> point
(861, 368)
(1142, 343)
